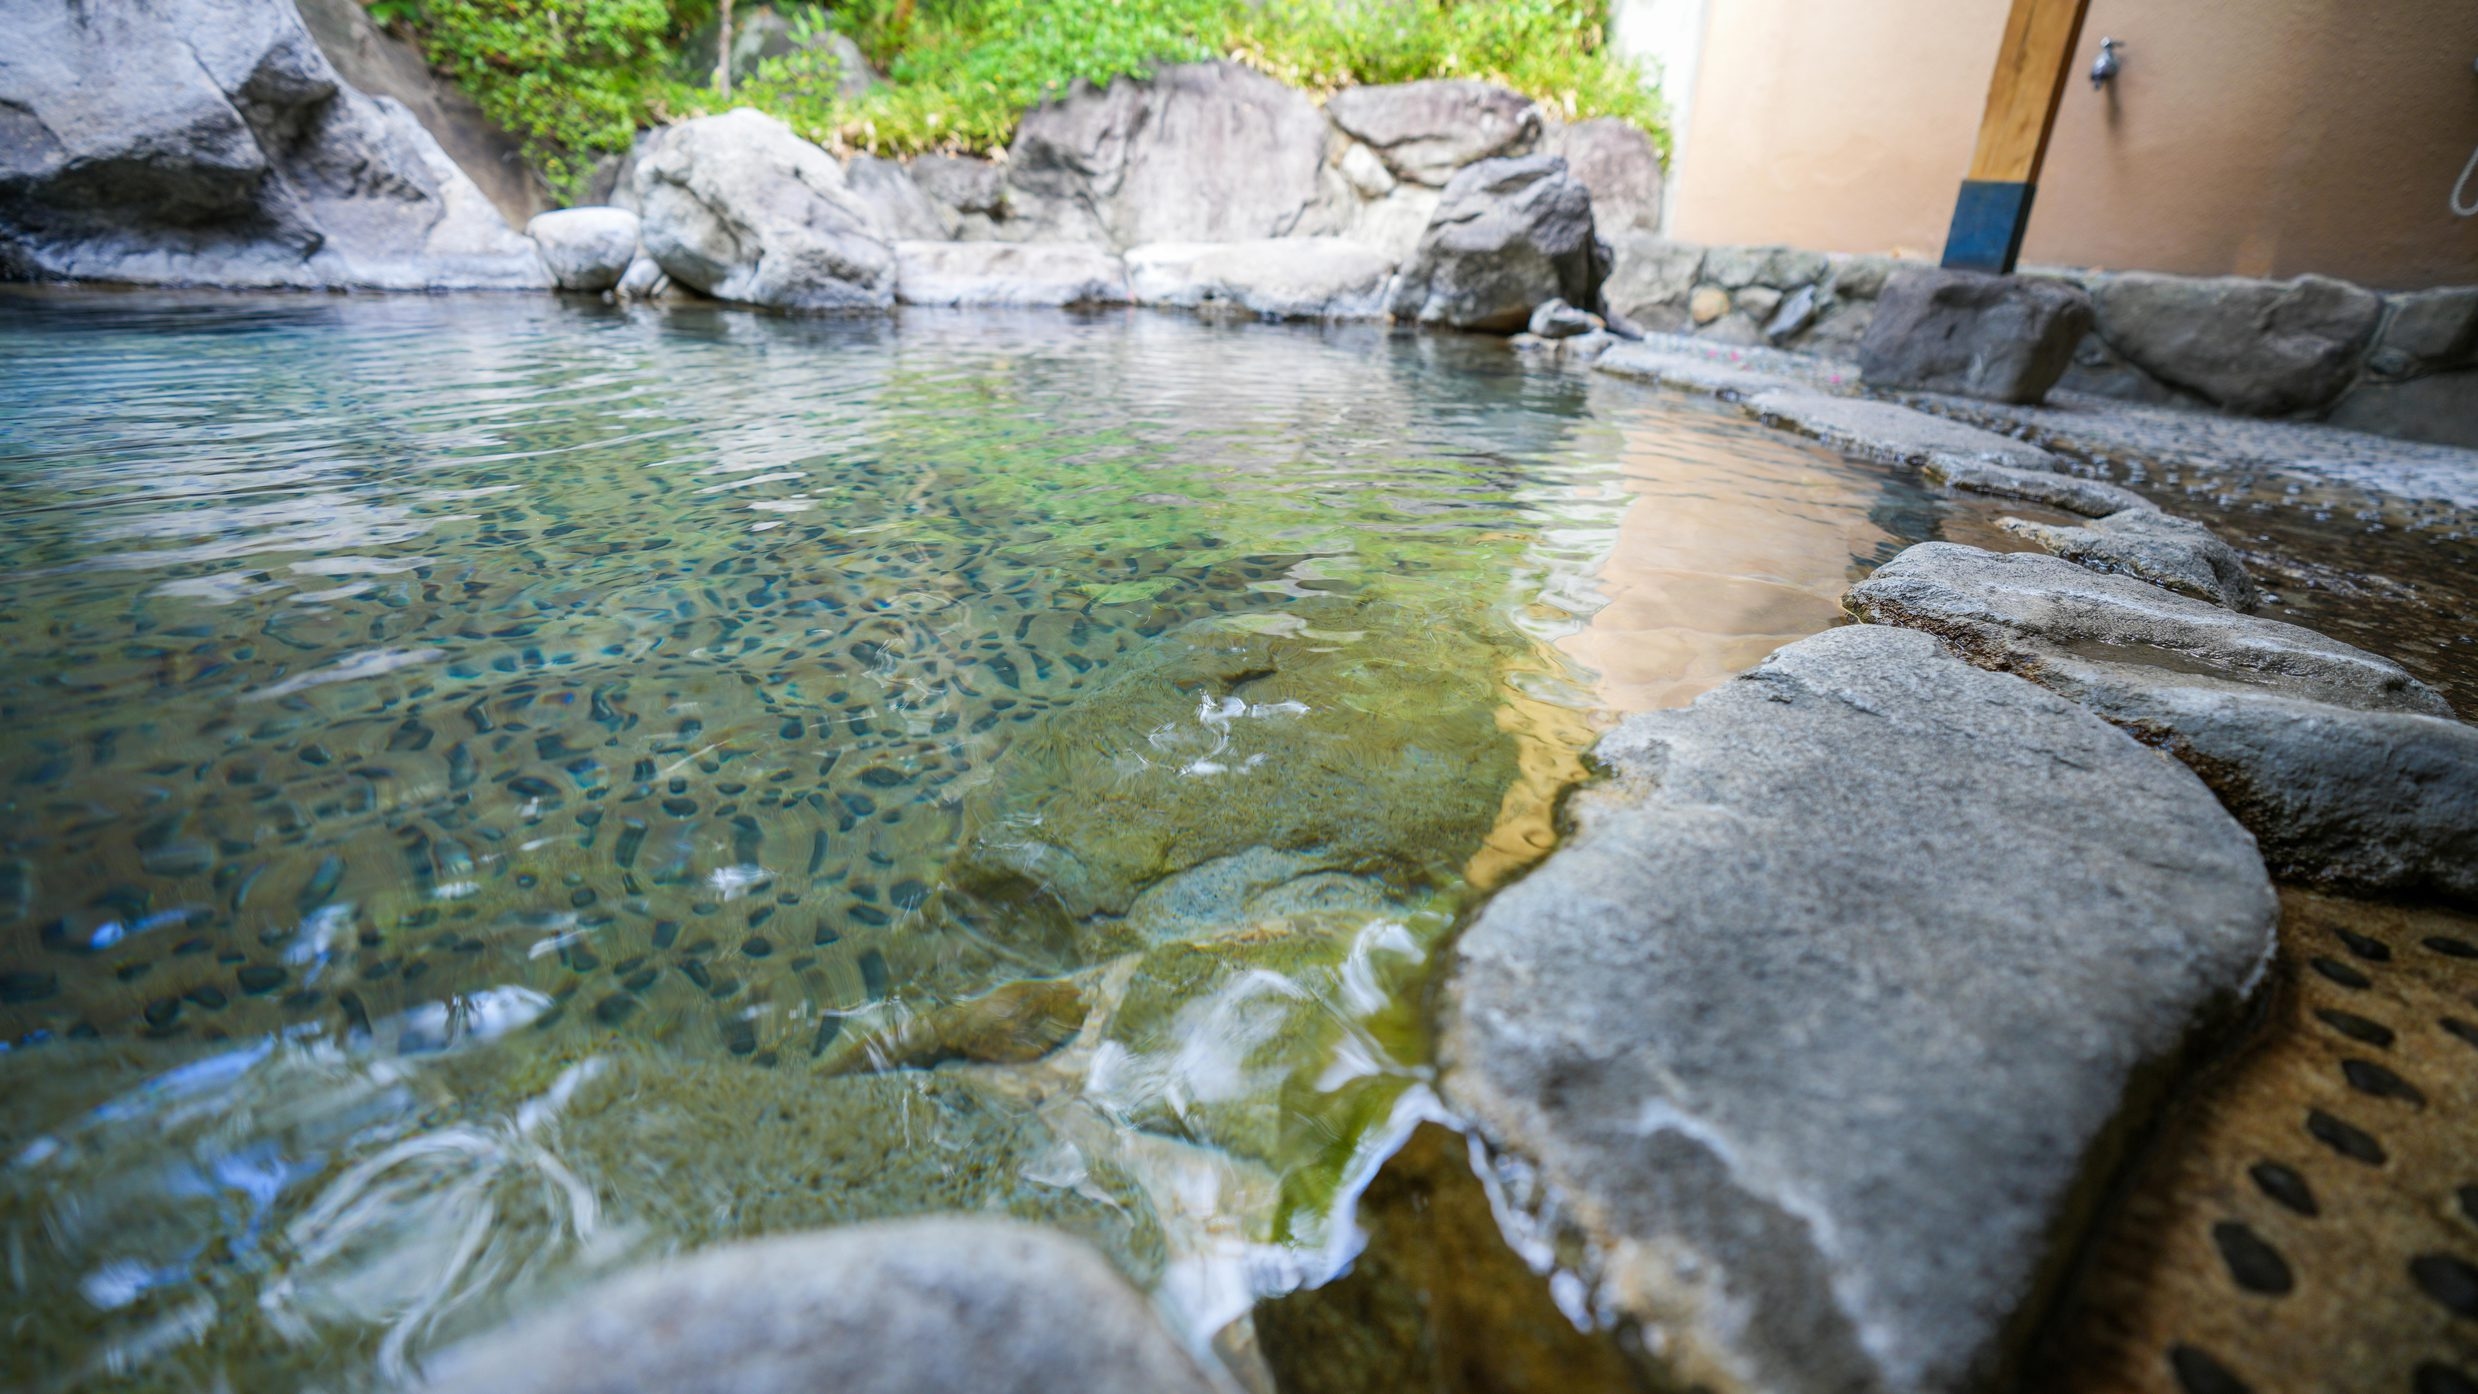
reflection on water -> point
(495, 790)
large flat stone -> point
(1008, 273)
(899, 1307)
(2264, 348)
(2349, 772)
(1277, 278)
(2091, 498)
(1890, 433)
(1830, 1016)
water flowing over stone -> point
(1200, 152)
(738, 207)
(586, 248)
(2348, 770)
(1507, 235)
(211, 142)
(1830, 1013)
(922, 1306)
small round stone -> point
(2372, 950)
(2340, 972)
(2451, 947)
(2355, 1027)
(2369, 1078)
(2353, 1143)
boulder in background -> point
(740, 208)
(1507, 235)
(2002, 338)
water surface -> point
(498, 789)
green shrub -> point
(576, 77)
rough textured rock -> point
(2177, 553)
(1619, 164)
(2346, 769)
(585, 248)
(738, 207)
(1426, 131)
(1831, 1013)
(1277, 278)
(1691, 372)
(2091, 498)
(2004, 338)
(643, 280)
(1650, 277)
(1201, 152)
(2013, 609)
(898, 1307)
(1508, 234)
(2433, 329)
(2441, 408)
(1555, 319)
(902, 210)
(210, 142)
(2265, 348)
(1008, 273)
(1893, 434)
(376, 62)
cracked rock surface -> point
(1831, 1009)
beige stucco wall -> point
(2256, 137)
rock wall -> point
(2401, 365)
(210, 142)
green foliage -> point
(576, 77)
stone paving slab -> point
(1833, 1009)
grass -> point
(577, 78)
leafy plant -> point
(577, 77)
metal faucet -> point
(2104, 68)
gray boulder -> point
(897, 203)
(2263, 348)
(2349, 772)
(1892, 434)
(1508, 234)
(1835, 1010)
(585, 248)
(2431, 330)
(923, 1306)
(961, 182)
(2002, 338)
(210, 142)
(1200, 152)
(643, 280)
(1650, 277)
(738, 207)
(1275, 278)
(1426, 131)
(1619, 164)
(1008, 273)
(2177, 553)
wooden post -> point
(2031, 72)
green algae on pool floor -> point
(493, 790)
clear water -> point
(495, 790)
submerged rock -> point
(1218, 742)
(1425, 131)
(1839, 1003)
(1507, 235)
(935, 1304)
(585, 248)
(200, 143)
(2004, 338)
(1277, 278)
(2264, 348)
(738, 207)
(2349, 771)
(2177, 553)
(1008, 273)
